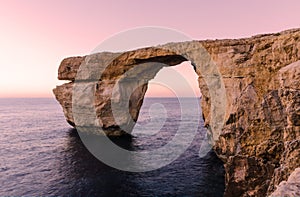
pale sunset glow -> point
(37, 35)
(167, 84)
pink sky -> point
(37, 35)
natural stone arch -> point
(261, 115)
(104, 66)
(92, 107)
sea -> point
(42, 155)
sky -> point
(36, 35)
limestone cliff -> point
(288, 188)
(260, 139)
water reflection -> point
(189, 175)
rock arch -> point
(261, 130)
(118, 88)
(114, 76)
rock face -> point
(288, 188)
(260, 139)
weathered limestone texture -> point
(260, 140)
(289, 188)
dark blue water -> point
(41, 155)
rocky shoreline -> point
(260, 138)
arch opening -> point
(160, 113)
(185, 69)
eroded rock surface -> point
(289, 188)
(260, 139)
